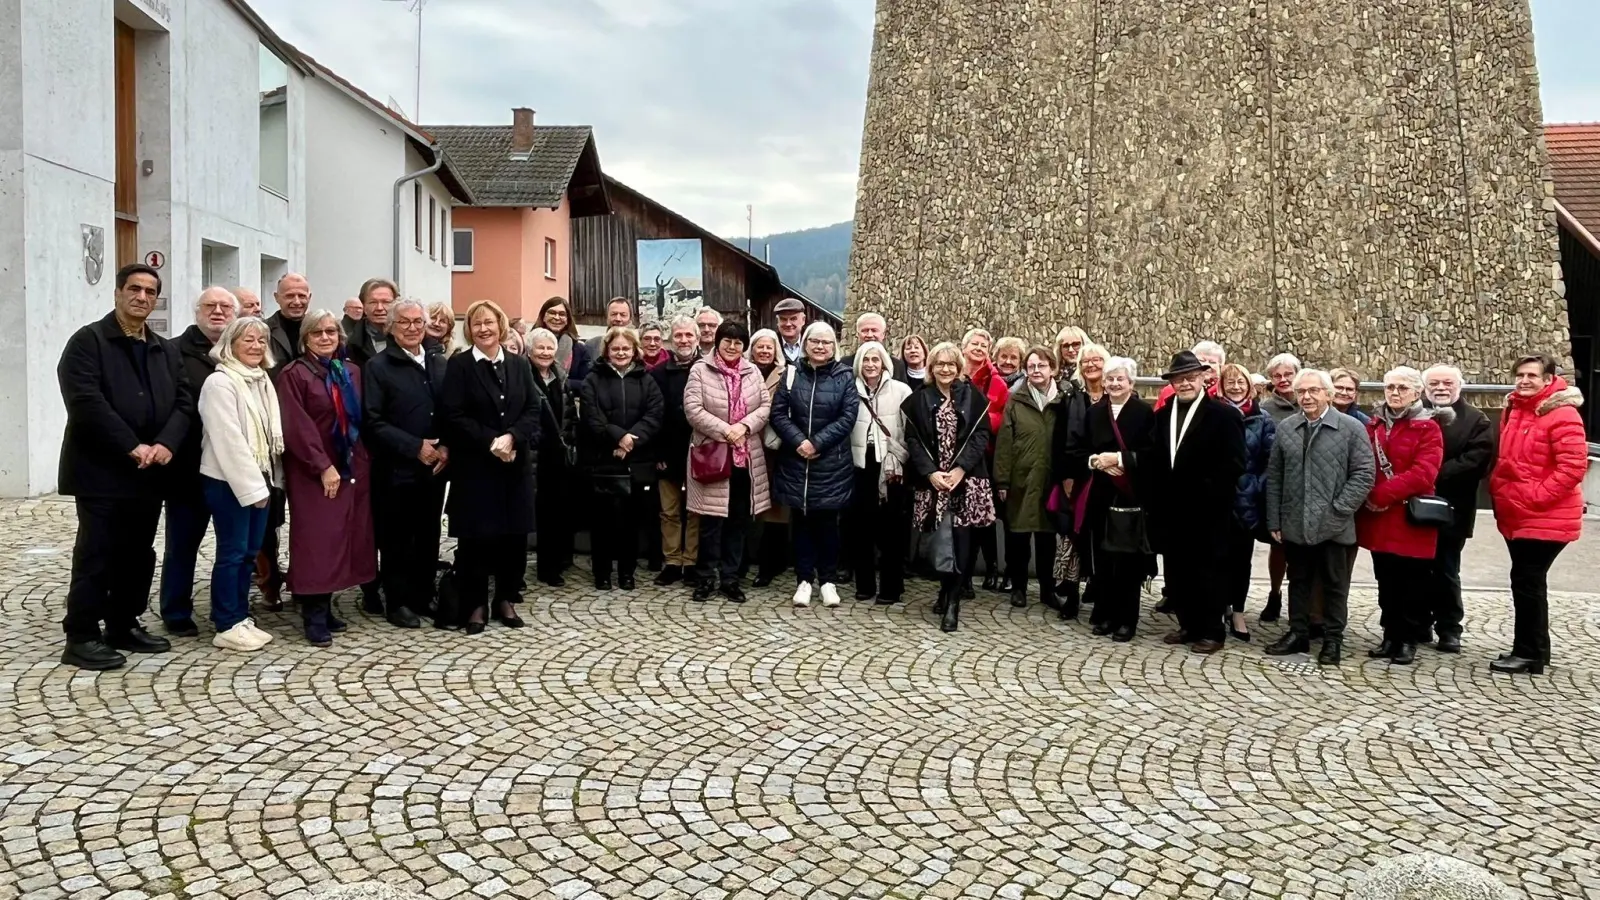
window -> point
(550, 258)
(416, 214)
(433, 222)
(444, 229)
(461, 249)
(274, 121)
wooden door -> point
(127, 125)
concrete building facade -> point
(168, 131)
(1359, 183)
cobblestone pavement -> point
(641, 745)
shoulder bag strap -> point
(1383, 458)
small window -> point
(550, 257)
(416, 215)
(273, 111)
(433, 222)
(461, 249)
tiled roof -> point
(1575, 165)
(482, 153)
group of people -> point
(709, 452)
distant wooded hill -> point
(814, 261)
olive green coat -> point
(1022, 460)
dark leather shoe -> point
(702, 593)
(401, 617)
(1239, 635)
(1176, 637)
(1273, 609)
(602, 583)
(1384, 650)
(951, 618)
(626, 582)
(670, 575)
(887, 601)
(1332, 652)
(93, 656)
(762, 580)
(865, 595)
(967, 593)
(1019, 597)
(181, 628)
(733, 593)
(1123, 635)
(1068, 610)
(940, 602)
(691, 577)
(555, 581)
(991, 582)
(1206, 647)
(1404, 655)
(1289, 645)
(474, 628)
(1050, 601)
(1101, 629)
(507, 615)
(137, 640)
(1449, 643)
(1005, 586)
(1511, 665)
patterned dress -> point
(973, 499)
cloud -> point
(704, 105)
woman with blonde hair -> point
(769, 532)
(1008, 353)
(1069, 444)
(1070, 342)
(914, 354)
(441, 328)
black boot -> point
(314, 615)
(371, 600)
(1517, 665)
(1331, 652)
(952, 613)
(943, 599)
(1404, 655)
(1384, 650)
(1274, 607)
(1019, 596)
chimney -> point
(522, 131)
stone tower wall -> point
(1361, 182)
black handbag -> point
(1126, 531)
(1426, 511)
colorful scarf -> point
(346, 411)
(733, 377)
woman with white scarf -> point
(241, 454)
(1023, 476)
(879, 517)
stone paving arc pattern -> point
(642, 745)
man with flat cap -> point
(791, 320)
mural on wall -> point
(671, 282)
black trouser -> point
(878, 527)
(406, 518)
(1196, 591)
(1044, 548)
(985, 540)
(1530, 594)
(1116, 583)
(553, 512)
(614, 536)
(1326, 565)
(962, 543)
(816, 545)
(1447, 609)
(1236, 565)
(502, 557)
(722, 539)
(113, 565)
(768, 545)
(1403, 596)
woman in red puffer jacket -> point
(989, 382)
(1538, 498)
(1409, 448)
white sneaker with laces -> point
(239, 637)
(802, 594)
(830, 595)
(262, 637)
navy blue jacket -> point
(1249, 502)
(820, 405)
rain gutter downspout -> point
(438, 162)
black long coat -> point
(1191, 497)
(198, 365)
(672, 444)
(111, 409)
(490, 498)
(1137, 425)
(922, 433)
(558, 429)
(1469, 450)
(613, 405)
(402, 410)
(285, 348)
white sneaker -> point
(830, 595)
(239, 637)
(263, 638)
(802, 594)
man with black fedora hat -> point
(1193, 468)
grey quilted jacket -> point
(1313, 492)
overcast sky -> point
(705, 105)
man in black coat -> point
(1193, 471)
(680, 529)
(129, 408)
(187, 512)
(293, 294)
(402, 430)
(1469, 448)
(871, 326)
(367, 336)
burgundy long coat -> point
(331, 542)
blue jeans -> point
(239, 530)
(187, 518)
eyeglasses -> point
(325, 332)
(1397, 388)
(1038, 367)
(408, 323)
(1072, 345)
(1312, 391)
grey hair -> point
(706, 309)
(652, 325)
(767, 334)
(394, 312)
(198, 301)
(1406, 375)
(683, 320)
(821, 328)
(1284, 359)
(871, 316)
(1086, 351)
(310, 322)
(544, 334)
(1210, 348)
(880, 351)
(1120, 364)
(1321, 377)
(1442, 369)
(222, 350)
